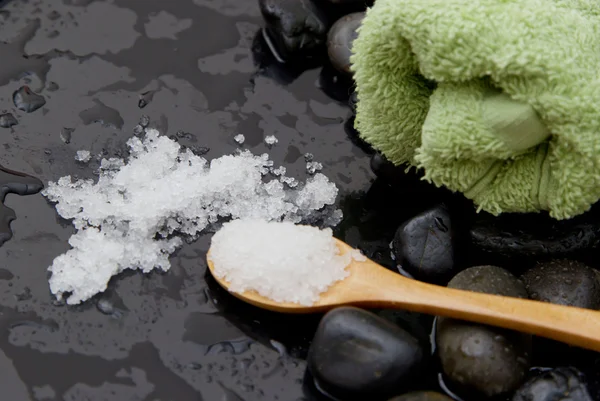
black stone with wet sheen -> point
(421, 396)
(424, 246)
(12, 182)
(296, 29)
(356, 354)
(534, 236)
(560, 384)
(478, 359)
(564, 282)
(339, 41)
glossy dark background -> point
(202, 68)
(204, 71)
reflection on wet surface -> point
(200, 71)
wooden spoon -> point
(371, 285)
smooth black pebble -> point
(534, 236)
(27, 100)
(340, 39)
(357, 354)
(480, 359)
(12, 182)
(295, 29)
(421, 396)
(7, 120)
(424, 246)
(564, 282)
(560, 384)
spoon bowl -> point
(370, 285)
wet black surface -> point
(200, 71)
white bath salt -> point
(271, 140)
(313, 167)
(289, 181)
(126, 219)
(239, 138)
(284, 262)
(83, 156)
(279, 171)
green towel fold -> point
(497, 99)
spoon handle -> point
(575, 326)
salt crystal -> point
(289, 181)
(308, 157)
(283, 261)
(239, 138)
(271, 140)
(313, 167)
(279, 171)
(83, 156)
(126, 220)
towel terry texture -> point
(497, 99)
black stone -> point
(295, 29)
(484, 360)
(421, 396)
(424, 246)
(357, 354)
(560, 384)
(335, 84)
(339, 41)
(7, 120)
(354, 136)
(26, 100)
(489, 280)
(386, 170)
(564, 282)
(534, 236)
(353, 101)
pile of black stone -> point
(382, 355)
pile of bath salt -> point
(126, 220)
(284, 262)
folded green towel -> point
(497, 99)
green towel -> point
(497, 99)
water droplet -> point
(26, 100)
(7, 120)
(105, 306)
(24, 295)
(66, 134)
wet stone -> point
(560, 384)
(564, 282)
(356, 353)
(26, 100)
(421, 396)
(13, 182)
(7, 120)
(386, 170)
(534, 236)
(484, 360)
(294, 28)
(339, 41)
(424, 246)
